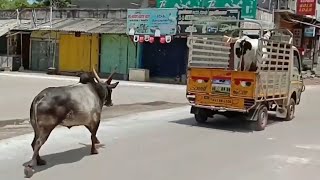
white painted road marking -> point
(309, 146)
(291, 159)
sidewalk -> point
(307, 81)
(75, 79)
(312, 81)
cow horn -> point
(96, 75)
(111, 75)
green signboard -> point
(248, 7)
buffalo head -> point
(106, 86)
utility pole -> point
(50, 14)
(51, 53)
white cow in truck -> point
(246, 48)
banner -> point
(309, 31)
(203, 21)
(248, 7)
(146, 21)
(306, 7)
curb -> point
(76, 79)
(124, 83)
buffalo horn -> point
(111, 75)
(96, 75)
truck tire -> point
(291, 110)
(262, 119)
(201, 117)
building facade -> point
(44, 48)
(301, 18)
(158, 49)
(76, 40)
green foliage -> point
(14, 4)
(55, 3)
(17, 4)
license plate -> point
(222, 89)
(214, 100)
(209, 100)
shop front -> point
(118, 52)
(78, 52)
(303, 25)
(44, 50)
(160, 53)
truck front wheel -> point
(290, 110)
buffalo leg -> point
(96, 140)
(93, 129)
(40, 140)
(40, 162)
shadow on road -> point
(66, 157)
(225, 124)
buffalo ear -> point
(114, 85)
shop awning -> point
(6, 25)
(305, 23)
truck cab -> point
(297, 85)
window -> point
(296, 61)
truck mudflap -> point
(215, 108)
(251, 115)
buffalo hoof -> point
(96, 141)
(41, 162)
(28, 172)
(94, 151)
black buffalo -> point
(73, 105)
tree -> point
(18, 4)
(14, 4)
(55, 3)
(4, 4)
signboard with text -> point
(248, 7)
(147, 21)
(309, 31)
(306, 7)
(203, 21)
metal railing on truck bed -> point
(208, 52)
(274, 69)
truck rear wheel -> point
(291, 110)
(262, 119)
(201, 117)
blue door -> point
(165, 60)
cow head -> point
(107, 87)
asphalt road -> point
(168, 144)
(17, 91)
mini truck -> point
(214, 87)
